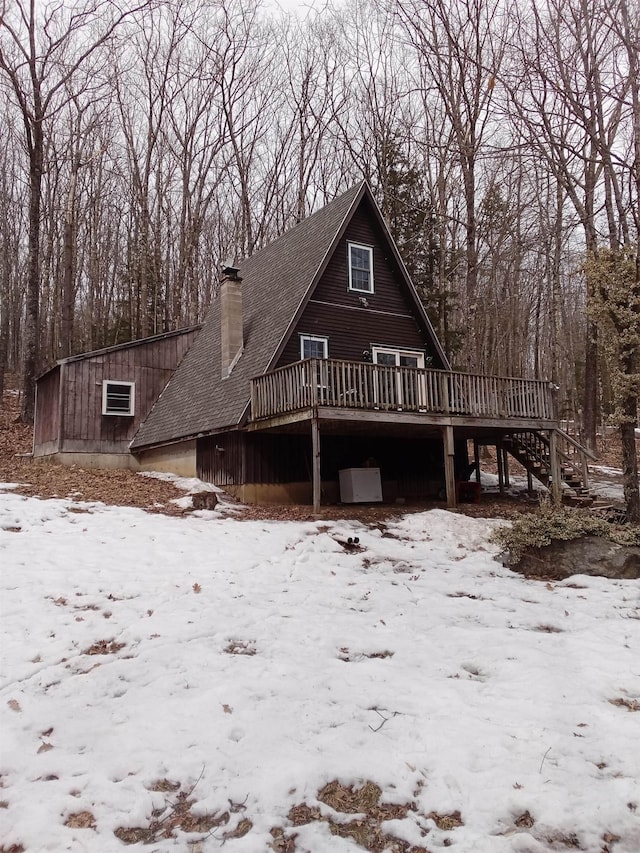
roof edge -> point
(115, 347)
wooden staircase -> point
(532, 449)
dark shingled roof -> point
(276, 284)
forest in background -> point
(144, 143)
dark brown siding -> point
(47, 422)
(410, 468)
(219, 459)
(234, 458)
(337, 313)
(148, 365)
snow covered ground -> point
(252, 663)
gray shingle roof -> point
(277, 281)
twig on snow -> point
(384, 720)
(543, 759)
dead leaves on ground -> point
(104, 647)
(365, 829)
(451, 820)
(629, 704)
(240, 647)
(176, 816)
(81, 820)
(347, 656)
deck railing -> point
(359, 385)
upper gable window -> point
(360, 268)
(313, 346)
(118, 398)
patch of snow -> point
(605, 469)
(238, 658)
(187, 484)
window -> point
(393, 357)
(399, 389)
(360, 268)
(312, 346)
(118, 398)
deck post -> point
(476, 458)
(529, 484)
(500, 461)
(315, 459)
(585, 470)
(449, 465)
(505, 465)
(556, 485)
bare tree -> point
(41, 50)
(459, 46)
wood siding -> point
(149, 365)
(337, 313)
(410, 468)
(234, 458)
(47, 424)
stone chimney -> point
(230, 318)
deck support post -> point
(529, 484)
(315, 464)
(500, 461)
(449, 466)
(476, 458)
(556, 485)
(505, 466)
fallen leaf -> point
(240, 831)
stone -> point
(204, 500)
(588, 555)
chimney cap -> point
(229, 270)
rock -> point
(588, 555)
(204, 500)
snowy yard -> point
(207, 678)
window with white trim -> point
(118, 398)
(360, 268)
(393, 357)
(314, 346)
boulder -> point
(204, 500)
(588, 555)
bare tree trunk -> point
(32, 304)
(68, 264)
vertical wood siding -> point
(411, 468)
(48, 421)
(234, 458)
(337, 313)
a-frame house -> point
(316, 358)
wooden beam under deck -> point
(399, 418)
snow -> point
(240, 666)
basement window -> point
(360, 268)
(118, 398)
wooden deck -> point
(314, 384)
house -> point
(317, 362)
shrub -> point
(540, 528)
